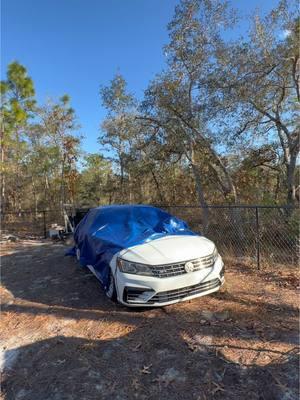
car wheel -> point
(110, 290)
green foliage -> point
(219, 124)
(95, 181)
(38, 157)
(115, 97)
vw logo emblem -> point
(189, 267)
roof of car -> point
(120, 206)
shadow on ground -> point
(76, 368)
(76, 344)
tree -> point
(118, 129)
(218, 124)
(179, 104)
(17, 106)
(96, 181)
(258, 86)
(58, 125)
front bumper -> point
(143, 291)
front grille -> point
(167, 270)
(176, 294)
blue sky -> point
(73, 46)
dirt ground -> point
(61, 338)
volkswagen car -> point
(144, 256)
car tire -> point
(110, 290)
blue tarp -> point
(104, 231)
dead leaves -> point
(218, 388)
(137, 347)
(146, 369)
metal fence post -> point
(44, 224)
(257, 238)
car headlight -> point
(129, 267)
(215, 254)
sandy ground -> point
(61, 338)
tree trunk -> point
(129, 188)
(62, 185)
(2, 172)
(213, 153)
(227, 187)
(34, 196)
(290, 171)
(199, 189)
(46, 189)
(277, 186)
(122, 179)
(198, 184)
(157, 186)
(290, 148)
(200, 195)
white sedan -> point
(167, 270)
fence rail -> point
(259, 235)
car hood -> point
(168, 250)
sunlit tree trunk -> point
(199, 190)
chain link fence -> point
(30, 224)
(259, 235)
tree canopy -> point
(220, 124)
